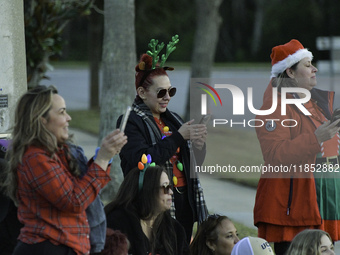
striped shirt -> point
(52, 201)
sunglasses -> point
(166, 189)
(161, 93)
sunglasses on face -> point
(162, 92)
(166, 189)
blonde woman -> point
(311, 242)
(44, 177)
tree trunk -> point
(208, 23)
(95, 51)
(118, 60)
(257, 30)
(239, 17)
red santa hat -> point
(286, 55)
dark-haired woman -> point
(43, 177)
(153, 129)
(141, 211)
(217, 235)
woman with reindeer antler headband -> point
(153, 129)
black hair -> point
(144, 204)
(206, 232)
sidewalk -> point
(230, 199)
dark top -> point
(139, 143)
(9, 223)
(129, 224)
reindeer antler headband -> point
(153, 44)
(154, 52)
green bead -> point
(180, 166)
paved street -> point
(70, 81)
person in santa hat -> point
(300, 148)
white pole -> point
(13, 81)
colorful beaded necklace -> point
(174, 160)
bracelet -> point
(96, 153)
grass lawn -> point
(86, 120)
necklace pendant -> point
(180, 166)
(174, 179)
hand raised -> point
(110, 146)
(327, 130)
(192, 131)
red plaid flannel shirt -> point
(52, 202)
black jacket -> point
(128, 223)
(9, 223)
(139, 143)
